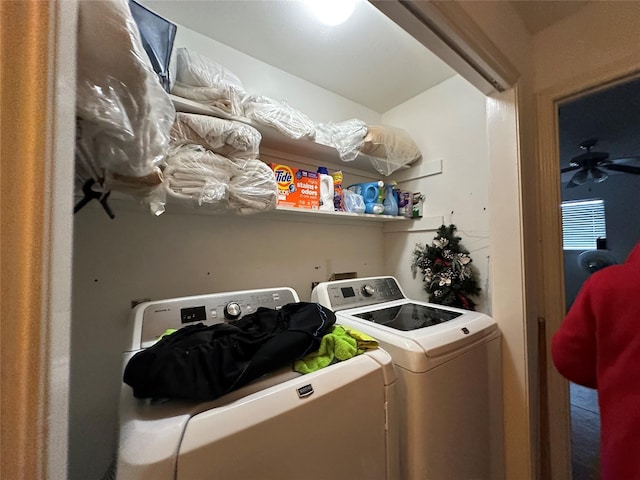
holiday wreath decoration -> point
(447, 272)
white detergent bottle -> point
(326, 189)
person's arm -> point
(573, 346)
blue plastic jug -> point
(390, 203)
(370, 192)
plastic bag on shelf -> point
(279, 115)
(392, 145)
(201, 79)
(221, 184)
(195, 173)
(225, 137)
(347, 137)
(199, 71)
(353, 202)
(124, 116)
(253, 188)
(148, 189)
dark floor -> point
(585, 433)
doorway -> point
(605, 121)
(601, 120)
(551, 262)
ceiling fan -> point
(593, 260)
(593, 165)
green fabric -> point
(364, 341)
(339, 344)
(168, 331)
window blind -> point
(583, 221)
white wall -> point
(514, 233)
(448, 122)
(504, 27)
(599, 35)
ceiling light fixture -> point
(581, 177)
(598, 175)
(331, 12)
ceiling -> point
(538, 15)
(612, 116)
(367, 59)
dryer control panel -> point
(152, 319)
(357, 292)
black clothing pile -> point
(200, 362)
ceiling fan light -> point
(581, 177)
(598, 175)
(331, 12)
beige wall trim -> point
(449, 32)
(25, 48)
(33, 437)
(553, 304)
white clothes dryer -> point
(332, 423)
(449, 368)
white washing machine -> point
(449, 368)
(328, 424)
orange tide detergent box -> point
(296, 187)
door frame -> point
(38, 129)
(552, 288)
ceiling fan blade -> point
(623, 168)
(626, 159)
(569, 169)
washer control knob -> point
(232, 310)
(368, 290)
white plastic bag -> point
(347, 137)
(123, 114)
(225, 137)
(201, 79)
(279, 115)
(392, 145)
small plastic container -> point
(353, 202)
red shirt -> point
(598, 346)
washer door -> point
(328, 424)
(409, 316)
